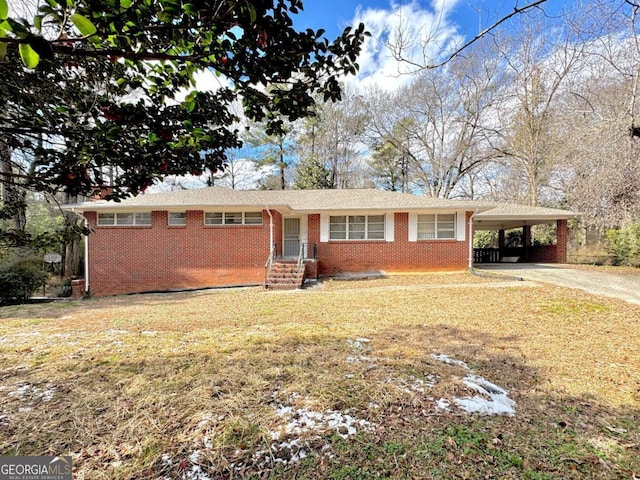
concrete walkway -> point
(624, 286)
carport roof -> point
(506, 216)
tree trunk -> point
(71, 264)
(13, 195)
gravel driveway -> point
(615, 285)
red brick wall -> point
(399, 256)
(543, 254)
(162, 257)
(562, 236)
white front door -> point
(291, 246)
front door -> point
(291, 237)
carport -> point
(508, 217)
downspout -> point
(86, 258)
(270, 228)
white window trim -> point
(115, 220)
(389, 223)
(436, 229)
(366, 228)
(459, 225)
(223, 224)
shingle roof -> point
(488, 214)
(296, 200)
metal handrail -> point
(272, 256)
(301, 257)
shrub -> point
(20, 278)
(65, 288)
(624, 243)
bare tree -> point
(334, 139)
(538, 71)
(437, 122)
(435, 51)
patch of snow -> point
(34, 393)
(166, 459)
(360, 344)
(497, 403)
(150, 333)
(449, 361)
(21, 391)
(196, 472)
(113, 331)
(443, 404)
(47, 395)
(301, 421)
(359, 359)
(493, 400)
(195, 456)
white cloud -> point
(425, 33)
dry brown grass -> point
(119, 382)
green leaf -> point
(189, 8)
(4, 9)
(3, 46)
(253, 16)
(29, 57)
(83, 24)
(125, 3)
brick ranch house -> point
(214, 237)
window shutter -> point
(389, 227)
(461, 225)
(413, 227)
(324, 227)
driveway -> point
(615, 285)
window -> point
(233, 218)
(213, 218)
(437, 226)
(124, 219)
(177, 218)
(253, 218)
(356, 227)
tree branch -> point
(482, 34)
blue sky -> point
(334, 15)
(448, 22)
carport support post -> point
(562, 235)
(526, 240)
(501, 241)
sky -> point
(447, 22)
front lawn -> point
(353, 380)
